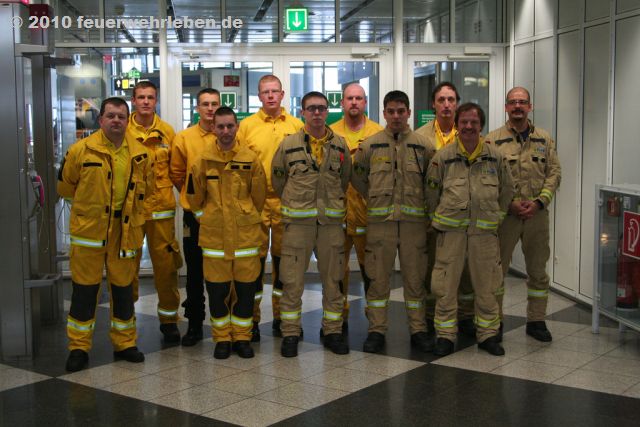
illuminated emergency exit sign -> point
(297, 19)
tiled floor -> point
(578, 379)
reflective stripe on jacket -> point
(534, 163)
(389, 171)
(86, 177)
(308, 191)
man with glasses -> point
(263, 132)
(187, 148)
(310, 173)
(442, 132)
(354, 127)
(531, 154)
(160, 208)
(389, 171)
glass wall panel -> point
(135, 22)
(204, 9)
(544, 13)
(544, 83)
(75, 9)
(259, 21)
(596, 9)
(366, 21)
(478, 21)
(523, 18)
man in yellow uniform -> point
(263, 132)
(107, 177)
(146, 127)
(228, 185)
(310, 173)
(354, 127)
(389, 170)
(187, 148)
(469, 190)
(442, 132)
(531, 154)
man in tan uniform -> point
(263, 132)
(442, 132)
(160, 208)
(187, 148)
(389, 171)
(531, 154)
(469, 191)
(354, 127)
(310, 172)
(228, 185)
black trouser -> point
(194, 304)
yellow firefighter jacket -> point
(389, 170)
(356, 206)
(85, 177)
(188, 145)
(309, 191)
(158, 139)
(469, 196)
(534, 163)
(262, 133)
(430, 132)
(226, 192)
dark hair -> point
(209, 90)
(395, 96)
(143, 85)
(225, 111)
(468, 106)
(313, 94)
(114, 100)
(439, 87)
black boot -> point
(77, 360)
(422, 341)
(170, 332)
(539, 331)
(374, 343)
(222, 350)
(444, 347)
(255, 332)
(193, 335)
(492, 346)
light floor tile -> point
(593, 344)
(516, 310)
(597, 381)
(153, 362)
(147, 387)
(301, 395)
(254, 413)
(614, 335)
(102, 376)
(626, 351)
(615, 365)
(558, 303)
(198, 400)
(533, 371)
(333, 359)
(345, 379)
(235, 362)
(515, 350)
(202, 350)
(293, 368)
(473, 361)
(384, 365)
(396, 295)
(560, 357)
(197, 373)
(634, 391)
(13, 377)
(248, 383)
(519, 336)
(559, 329)
(3, 367)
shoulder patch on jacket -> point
(502, 141)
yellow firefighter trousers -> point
(272, 228)
(534, 234)
(166, 260)
(483, 256)
(87, 264)
(231, 289)
(466, 309)
(383, 241)
(298, 241)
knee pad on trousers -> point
(218, 293)
(365, 279)
(246, 292)
(83, 301)
(277, 283)
(122, 297)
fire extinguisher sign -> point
(631, 235)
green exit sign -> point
(297, 19)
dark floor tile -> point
(59, 403)
(580, 314)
